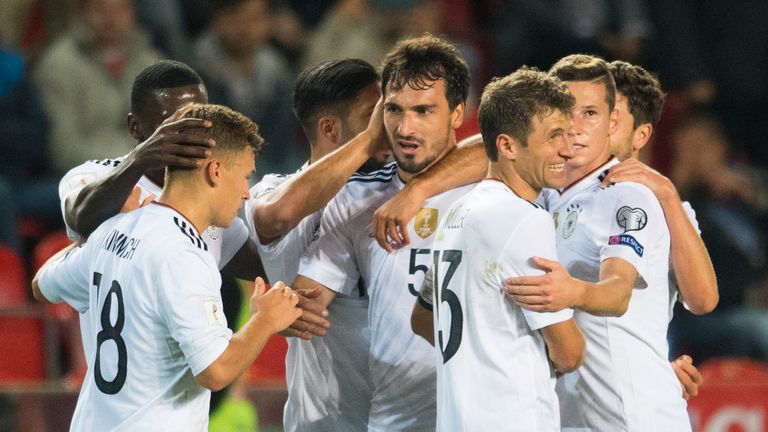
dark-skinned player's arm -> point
(310, 190)
(96, 202)
(465, 164)
(691, 264)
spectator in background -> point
(85, 79)
(731, 209)
(25, 189)
(244, 72)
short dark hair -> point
(645, 99)
(416, 62)
(329, 87)
(161, 75)
(585, 67)
(232, 130)
(508, 105)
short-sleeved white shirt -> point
(223, 243)
(493, 371)
(157, 319)
(401, 364)
(327, 377)
(626, 381)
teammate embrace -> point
(511, 256)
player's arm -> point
(557, 289)
(465, 164)
(169, 145)
(693, 269)
(310, 190)
(422, 319)
(36, 293)
(273, 311)
(565, 345)
(314, 298)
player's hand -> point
(173, 145)
(390, 221)
(312, 321)
(376, 130)
(632, 170)
(134, 200)
(550, 292)
(277, 307)
(689, 377)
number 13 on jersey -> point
(443, 294)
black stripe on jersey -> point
(107, 162)
(382, 175)
(602, 176)
(534, 204)
(189, 232)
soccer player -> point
(618, 237)
(327, 377)
(151, 288)
(97, 190)
(493, 368)
(424, 84)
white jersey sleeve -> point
(691, 213)
(637, 221)
(66, 279)
(233, 239)
(77, 178)
(537, 233)
(191, 307)
(330, 259)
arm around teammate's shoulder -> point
(272, 311)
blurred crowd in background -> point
(67, 66)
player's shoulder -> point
(87, 172)
(630, 191)
(496, 201)
(374, 179)
(267, 184)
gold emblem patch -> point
(425, 222)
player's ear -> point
(213, 172)
(457, 116)
(134, 127)
(328, 127)
(507, 146)
(641, 136)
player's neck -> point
(512, 179)
(187, 200)
(320, 149)
(573, 175)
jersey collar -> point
(590, 180)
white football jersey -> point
(328, 382)
(493, 371)
(157, 320)
(626, 381)
(223, 243)
(402, 365)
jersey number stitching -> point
(111, 332)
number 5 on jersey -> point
(445, 295)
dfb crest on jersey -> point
(214, 232)
(570, 221)
(631, 219)
(425, 222)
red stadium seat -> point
(22, 353)
(48, 246)
(13, 281)
(733, 397)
